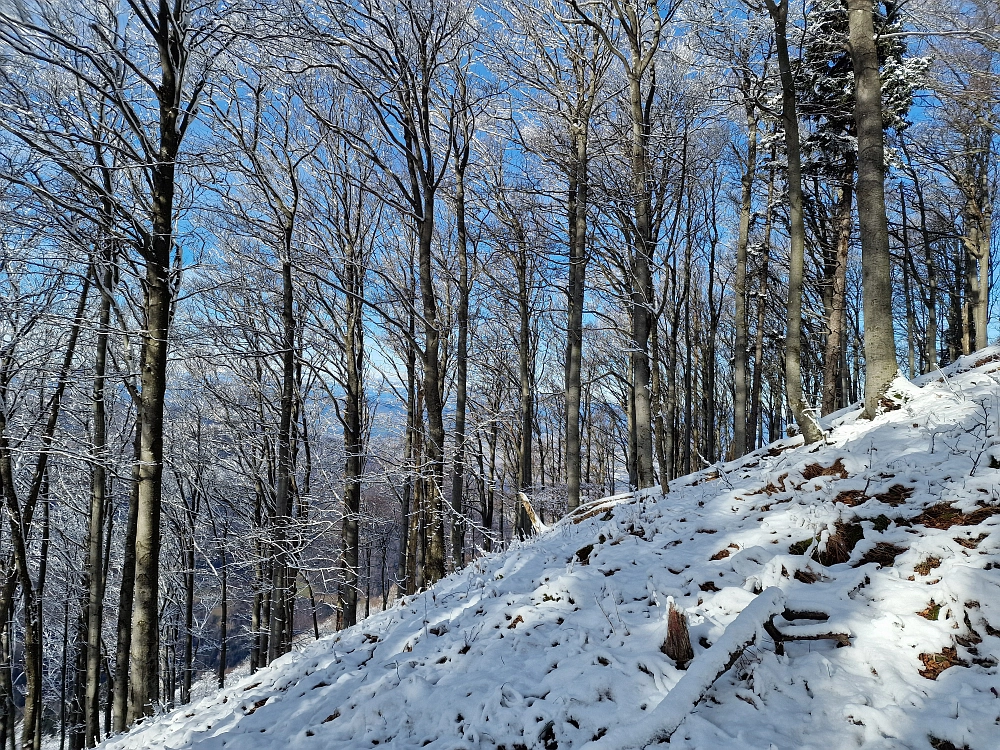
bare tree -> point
(876, 267)
(796, 256)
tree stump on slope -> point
(678, 642)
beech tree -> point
(880, 342)
(642, 28)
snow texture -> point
(678, 703)
(889, 528)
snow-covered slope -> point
(891, 528)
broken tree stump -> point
(677, 644)
(663, 719)
(536, 523)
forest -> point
(306, 304)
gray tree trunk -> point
(127, 592)
(837, 324)
(741, 392)
(876, 269)
(526, 377)
(807, 423)
(353, 435)
(98, 488)
(578, 192)
(462, 354)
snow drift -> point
(889, 530)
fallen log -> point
(802, 633)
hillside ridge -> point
(889, 528)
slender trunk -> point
(63, 676)
(837, 323)
(670, 398)
(525, 370)
(462, 370)
(256, 612)
(281, 536)
(931, 332)
(977, 217)
(756, 419)
(811, 431)
(876, 269)
(223, 621)
(491, 492)
(578, 201)
(688, 385)
(657, 394)
(98, 490)
(709, 386)
(404, 573)
(9, 713)
(740, 290)
(144, 629)
(642, 286)
(434, 450)
(126, 593)
(414, 552)
(353, 439)
(907, 292)
(188, 634)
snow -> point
(549, 645)
(664, 719)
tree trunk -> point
(279, 621)
(353, 438)
(811, 431)
(906, 263)
(143, 681)
(977, 217)
(126, 593)
(578, 202)
(188, 634)
(876, 269)
(98, 490)
(642, 287)
(434, 567)
(526, 376)
(462, 368)
(740, 291)
(756, 427)
(223, 621)
(9, 713)
(837, 324)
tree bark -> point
(526, 377)
(837, 324)
(98, 489)
(740, 289)
(434, 567)
(167, 28)
(806, 422)
(876, 269)
(579, 200)
(353, 436)
(126, 593)
(462, 356)
(145, 614)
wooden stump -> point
(678, 642)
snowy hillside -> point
(890, 529)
